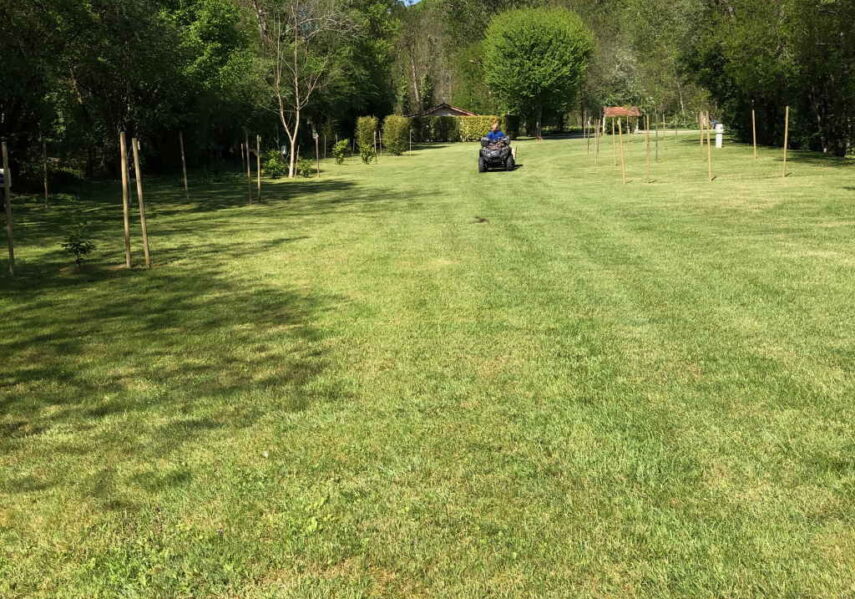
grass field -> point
(412, 380)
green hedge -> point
(450, 128)
(366, 126)
(396, 134)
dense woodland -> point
(74, 73)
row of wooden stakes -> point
(704, 129)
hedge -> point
(396, 134)
(451, 128)
(366, 127)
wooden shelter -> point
(623, 113)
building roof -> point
(447, 108)
(619, 111)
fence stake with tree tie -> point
(248, 169)
(709, 155)
(754, 132)
(126, 201)
(45, 168)
(622, 159)
(7, 201)
(258, 162)
(183, 163)
(786, 138)
(647, 146)
(135, 147)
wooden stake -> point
(622, 159)
(701, 128)
(754, 132)
(7, 200)
(657, 142)
(45, 169)
(135, 146)
(318, 157)
(614, 146)
(786, 138)
(647, 144)
(709, 155)
(248, 169)
(597, 144)
(258, 162)
(587, 136)
(126, 201)
(183, 163)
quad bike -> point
(496, 154)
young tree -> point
(301, 40)
(534, 59)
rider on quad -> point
(495, 150)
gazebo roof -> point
(620, 111)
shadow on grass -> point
(135, 365)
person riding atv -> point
(495, 150)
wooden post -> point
(183, 163)
(647, 145)
(318, 157)
(622, 159)
(587, 136)
(248, 168)
(754, 132)
(709, 155)
(258, 162)
(657, 142)
(786, 138)
(126, 201)
(7, 200)
(614, 145)
(45, 169)
(135, 146)
(597, 144)
(701, 128)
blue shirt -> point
(495, 135)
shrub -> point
(78, 242)
(340, 150)
(473, 128)
(366, 127)
(305, 167)
(396, 134)
(274, 164)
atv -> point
(495, 154)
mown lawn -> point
(412, 380)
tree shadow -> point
(137, 365)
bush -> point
(274, 164)
(306, 167)
(339, 150)
(366, 127)
(78, 242)
(451, 128)
(396, 134)
(473, 128)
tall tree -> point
(535, 59)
